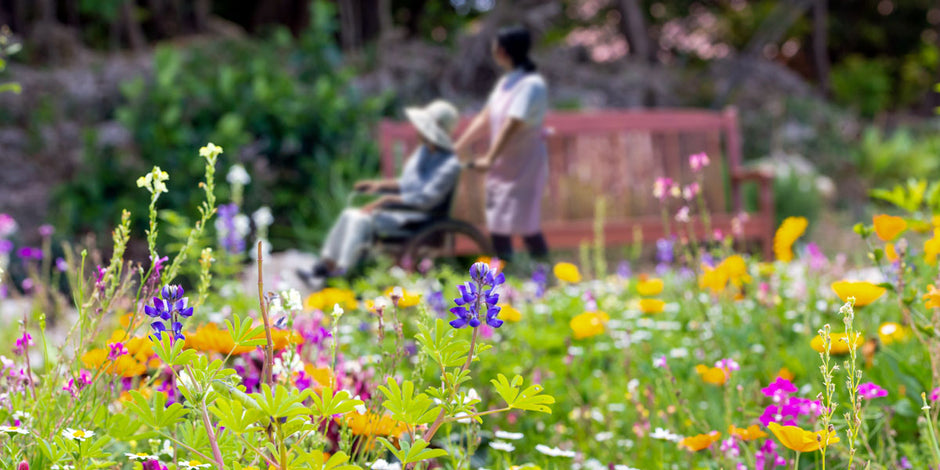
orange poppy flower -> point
(749, 433)
(700, 441)
(839, 346)
(864, 292)
(801, 440)
(712, 375)
(932, 297)
(888, 227)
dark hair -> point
(516, 41)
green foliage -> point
(864, 84)
(286, 104)
(888, 159)
(411, 453)
(528, 399)
(407, 407)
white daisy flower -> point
(512, 436)
(381, 464)
(624, 467)
(57, 467)
(167, 448)
(77, 434)
(238, 175)
(140, 456)
(503, 446)
(189, 464)
(13, 430)
(554, 451)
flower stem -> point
(796, 461)
(211, 433)
(440, 417)
(269, 344)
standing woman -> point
(516, 163)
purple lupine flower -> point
(117, 350)
(664, 251)
(871, 391)
(540, 279)
(437, 303)
(623, 270)
(61, 265)
(6, 246)
(169, 309)
(478, 296)
(227, 225)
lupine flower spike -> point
(168, 311)
(478, 297)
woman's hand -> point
(364, 186)
(481, 164)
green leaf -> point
(171, 352)
(442, 345)
(243, 334)
(159, 415)
(280, 403)
(328, 403)
(529, 399)
(410, 453)
(234, 416)
(11, 87)
(407, 407)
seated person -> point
(429, 175)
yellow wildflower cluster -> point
(325, 299)
(700, 441)
(209, 338)
(864, 292)
(649, 288)
(139, 356)
(589, 324)
(789, 231)
(712, 375)
(371, 424)
(408, 299)
(509, 313)
(801, 440)
(567, 272)
(732, 269)
(839, 346)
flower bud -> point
(24, 465)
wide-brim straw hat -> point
(435, 122)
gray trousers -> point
(348, 239)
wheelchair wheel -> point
(446, 241)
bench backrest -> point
(616, 154)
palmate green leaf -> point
(233, 415)
(157, 416)
(280, 403)
(528, 399)
(243, 334)
(53, 451)
(442, 345)
(407, 407)
(195, 436)
(933, 197)
(123, 428)
(171, 353)
(95, 449)
(328, 403)
(410, 453)
(315, 460)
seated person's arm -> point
(429, 196)
(375, 186)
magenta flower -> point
(117, 350)
(779, 388)
(46, 230)
(660, 362)
(661, 188)
(22, 343)
(871, 391)
(935, 394)
(698, 161)
(28, 252)
(729, 365)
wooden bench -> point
(618, 155)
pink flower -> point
(46, 230)
(22, 343)
(935, 394)
(698, 161)
(660, 187)
(729, 365)
(660, 362)
(779, 387)
(117, 350)
(683, 214)
(870, 391)
(690, 191)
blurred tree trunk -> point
(821, 44)
(135, 35)
(633, 28)
(201, 11)
(45, 10)
(386, 23)
(349, 24)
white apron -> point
(516, 181)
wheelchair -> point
(440, 237)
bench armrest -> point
(764, 181)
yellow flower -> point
(700, 441)
(567, 272)
(408, 299)
(864, 292)
(839, 346)
(712, 375)
(509, 313)
(209, 338)
(125, 366)
(371, 424)
(652, 305)
(715, 279)
(790, 230)
(749, 433)
(589, 324)
(800, 440)
(890, 253)
(736, 269)
(891, 332)
(932, 297)
(650, 287)
(325, 299)
(888, 227)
